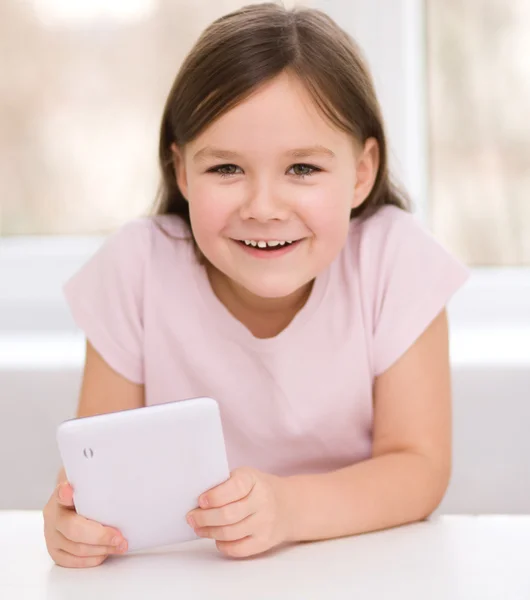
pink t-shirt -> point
(300, 402)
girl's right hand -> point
(74, 541)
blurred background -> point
(82, 91)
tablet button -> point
(88, 452)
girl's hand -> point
(245, 514)
(72, 540)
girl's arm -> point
(104, 391)
(407, 476)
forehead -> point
(279, 116)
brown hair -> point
(244, 49)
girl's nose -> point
(263, 205)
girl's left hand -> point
(245, 514)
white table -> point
(447, 558)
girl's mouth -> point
(271, 249)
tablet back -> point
(142, 470)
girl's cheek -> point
(209, 218)
(215, 209)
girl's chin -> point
(273, 287)
(270, 294)
(273, 291)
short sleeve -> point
(106, 298)
(416, 277)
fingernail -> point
(204, 502)
(122, 547)
(116, 541)
(191, 522)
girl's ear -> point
(180, 169)
(366, 171)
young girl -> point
(283, 276)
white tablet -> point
(142, 470)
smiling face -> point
(273, 169)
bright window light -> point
(81, 12)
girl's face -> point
(269, 172)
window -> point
(87, 81)
(478, 73)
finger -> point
(64, 493)
(64, 559)
(81, 530)
(79, 549)
(226, 515)
(229, 533)
(242, 548)
(237, 487)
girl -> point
(283, 276)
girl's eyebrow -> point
(210, 152)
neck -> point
(264, 317)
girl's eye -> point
(224, 170)
(305, 170)
(301, 170)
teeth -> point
(263, 244)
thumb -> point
(65, 494)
